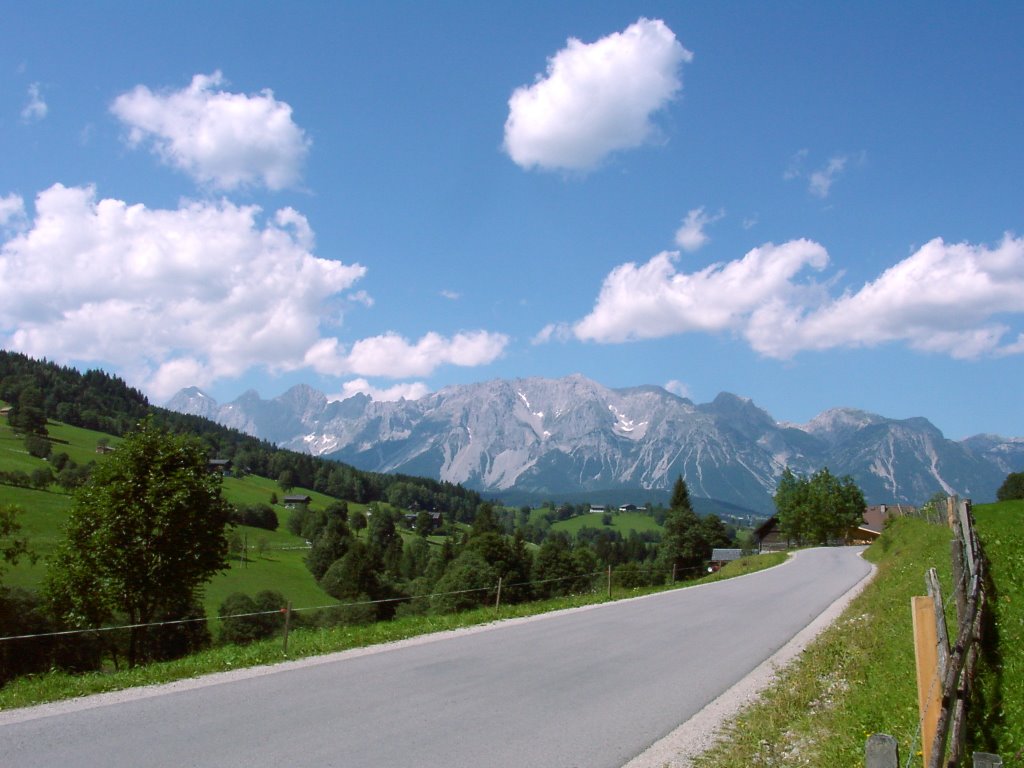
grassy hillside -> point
(275, 558)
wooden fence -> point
(945, 673)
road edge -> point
(700, 732)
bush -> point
(244, 629)
(41, 477)
(256, 515)
(38, 446)
(25, 613)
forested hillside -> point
(99, 401)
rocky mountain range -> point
(572, 435)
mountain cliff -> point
(571, 435)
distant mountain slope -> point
(572, 435)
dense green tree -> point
(685, 546)
(424, 523)
(41, 477)
(1012, 487)
(329, 545)
(680, 495)
(818, 509)
(28, 416)
(256, 515)
(145, 532)
(509, 559)
(353, 575)
(415, 559)
(555, 571)
(486, 521)
(38, 446)
(286, 479)
(467, 583)
(245, 619)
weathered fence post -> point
(934, 590)
(609, 581)
(497, 600)
(881, 751)
(287, 623)
(956, 550)
(929, 684)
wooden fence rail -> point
(945, 673)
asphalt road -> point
(590, 688)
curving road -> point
(591, 688)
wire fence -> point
(287, 609)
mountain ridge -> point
(574, 435)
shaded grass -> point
(304, 642)
(856, 679)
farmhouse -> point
(770, 537)
(293, 501)
(720, 557)
(221, 466)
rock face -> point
(559, 436)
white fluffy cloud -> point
(393, 356)
(952, 299)
(226, 140)
(655, 299)
(944, 298)
(596, 98)
(691, 235)
(170, 297)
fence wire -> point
(331, 606)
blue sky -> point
(808, 204)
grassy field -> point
(623, 522)
(275, 558)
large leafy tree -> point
(145, 533)
(818, 509)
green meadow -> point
(274, 559)
(623, 522)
